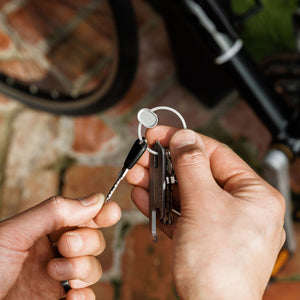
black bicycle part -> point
(194, 60)
(247, 77)
(101, 97)
(253, 10)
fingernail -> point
(62, 267)
(92, 199)
(79, 296)
(183, 138)
(74, 241)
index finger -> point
(159, 133)
(109, 215)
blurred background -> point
(63, 47)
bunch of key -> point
(161, 173)
(162, 179)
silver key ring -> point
(149, 119)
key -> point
(157, 187)
(135, 153)
(170, 181)
(162, 179)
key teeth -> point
(155, 238)
(162, 178)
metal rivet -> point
(147, 117)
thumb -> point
(23, 230)
(192, 168)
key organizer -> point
(161, 173)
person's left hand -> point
(28, 266)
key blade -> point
(153, 225)
(135, 153)
(114, 187)
(157, 187)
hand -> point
(230, 231)
(28, 268)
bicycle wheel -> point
(68, 56)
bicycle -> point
(219, 40)
(206, 30)
(40, 82)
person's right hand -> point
(230, 231)
(28, 266)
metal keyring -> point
(155, 123)
(66, 285)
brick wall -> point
(42, 154)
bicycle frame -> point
(210, 30)
(208, 21)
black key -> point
(135, 153)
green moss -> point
(175, 293)
(150, 250)
(61, 166)
(117, 284)
(270, 31)
(63, 163)
(124, 229)
(289, 278)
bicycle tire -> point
(120, 78)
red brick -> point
(35, 189)
(95, 81)
(146, 266)
(32, 73)
(241, 121)
(23, 70)
(3, 3)
(286, 288)
(37, 20)
(28, 162)
(4, 99)
(90, 133)
(101, 20)
(295, 176)
(4, 41)
(106, 257)
(155, 65)
(283, 291)
(81, 51)
(80, 181)
(10, 202)
(292, 267)
(104, 291)
(194, 113)
(30, 192)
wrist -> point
(220, 293)
(217, 288)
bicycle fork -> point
(276, 172)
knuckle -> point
(92, 270)
(98, 270)
(275, 206)
(101, 243)
(56, 205)
(283, 238)
(57, 202)
(279, 204)
(190, 157)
